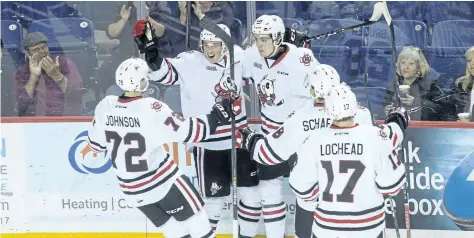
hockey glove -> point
(297, 38)
(147, 42)
(222, 111)
(398, 115)
(246, 139)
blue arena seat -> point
(172, 97)
(449, 62)
(378, 63)
(66, 32)
(74, 38)
(407, 32)
(350, 39)
(376, 95)
(337, 56)
(12, 37)
(293, 23)
(454, 33)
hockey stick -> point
(389, 21)
(188, 15)
(221, 34)
(369, 105)
(380, 9)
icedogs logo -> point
(84, 160)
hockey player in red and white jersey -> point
(350, 166)
(133, 130)
(278, 70)
(204, 79)
(278, 146)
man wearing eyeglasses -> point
(47, 85)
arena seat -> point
(454, 33)
(12, 37)
(449, 62)
(74, 38)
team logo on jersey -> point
(382, 134)
(215, 188)
(225, 89)
(266, 92)
(156, 106)
(306, 59)
(84, 160)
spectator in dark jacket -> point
(463, 100)
(413, 70)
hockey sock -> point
(303, 218)
(249, 211)
(198, 226)
(173, 229)
(273, 207)
(213, 208)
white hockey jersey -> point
(133, 131)
(202, 85)
(278, 146)
(280, 83)
(350, 169)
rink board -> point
(53, 186)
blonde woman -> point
(463, 87)
(419, 85)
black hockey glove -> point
(297, 38)
(400, 116)
(222, 111)
(147, 42)
(246, 139)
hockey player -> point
(278, 146)
(350, 166)
(204, 79)
(133, 129)
(278, 70)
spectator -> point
(218, 12)
(118, 24)
(47, 85)
(413, 70)
(463, 86)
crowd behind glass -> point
(59, 58)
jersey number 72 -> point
(344, 166)
(131, 152)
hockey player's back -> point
(349, 166)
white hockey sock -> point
(249, 211)
(213, 208)
(173, 229)
(273, 207)
(198, 226)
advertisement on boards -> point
(12, 179)
(69, 188)
(431, 155)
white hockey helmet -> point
(341, 102)
(209, 36)
(130, 73)
(270, 25)
(321, 79)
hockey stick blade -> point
(381, 9)
(207, 24)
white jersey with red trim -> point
(278, 146)
(280, 83)
(202, 85)
(349, 169)
(133, 131)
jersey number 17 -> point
(344, 166)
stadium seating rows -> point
(353, 53)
